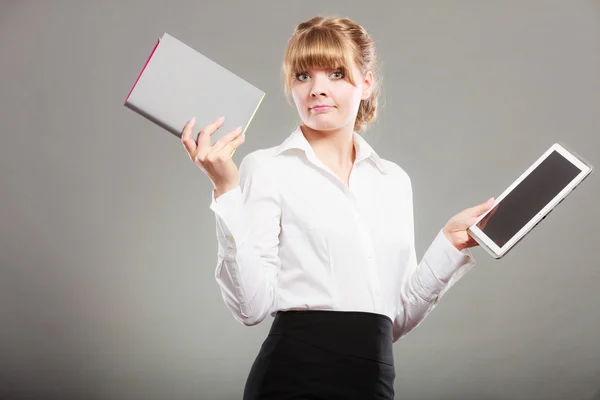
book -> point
(178, 83)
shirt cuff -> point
(232, 225)
(444, 259)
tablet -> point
(544, 185)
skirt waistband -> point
(351, 333)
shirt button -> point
(229, 238)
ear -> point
(367, 85)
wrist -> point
(449, 237)
(221, 190)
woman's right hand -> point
(214, 160)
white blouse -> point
(293, 236)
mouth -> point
(321, 108)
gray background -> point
(107, 243)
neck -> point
(334, 147)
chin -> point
(321, 127)
(323, 124)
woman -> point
(318, 231)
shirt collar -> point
(363, 150)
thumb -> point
(483, 207)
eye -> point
(302, 76)
(338, 74)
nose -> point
(316, 93)
(319, 86)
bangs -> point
(317, 48)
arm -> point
(426, 282)
(247, 226)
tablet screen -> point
(528, 198)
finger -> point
(222, 142)
(186, 137)
(471, 243)
(204, 134)
(472, 214)
(481, 208)
(232, 146)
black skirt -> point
(324, 355)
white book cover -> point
(178, 83)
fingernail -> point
(221, 119)
(193, 120)
(238, 129)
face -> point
(325, 98)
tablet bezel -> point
(498, 252)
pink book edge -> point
(142, 71)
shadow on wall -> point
(49, 347)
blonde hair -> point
(332, 42)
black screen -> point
(528, 198)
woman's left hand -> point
(456, 228)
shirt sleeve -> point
(425, 283)
(248, 227)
